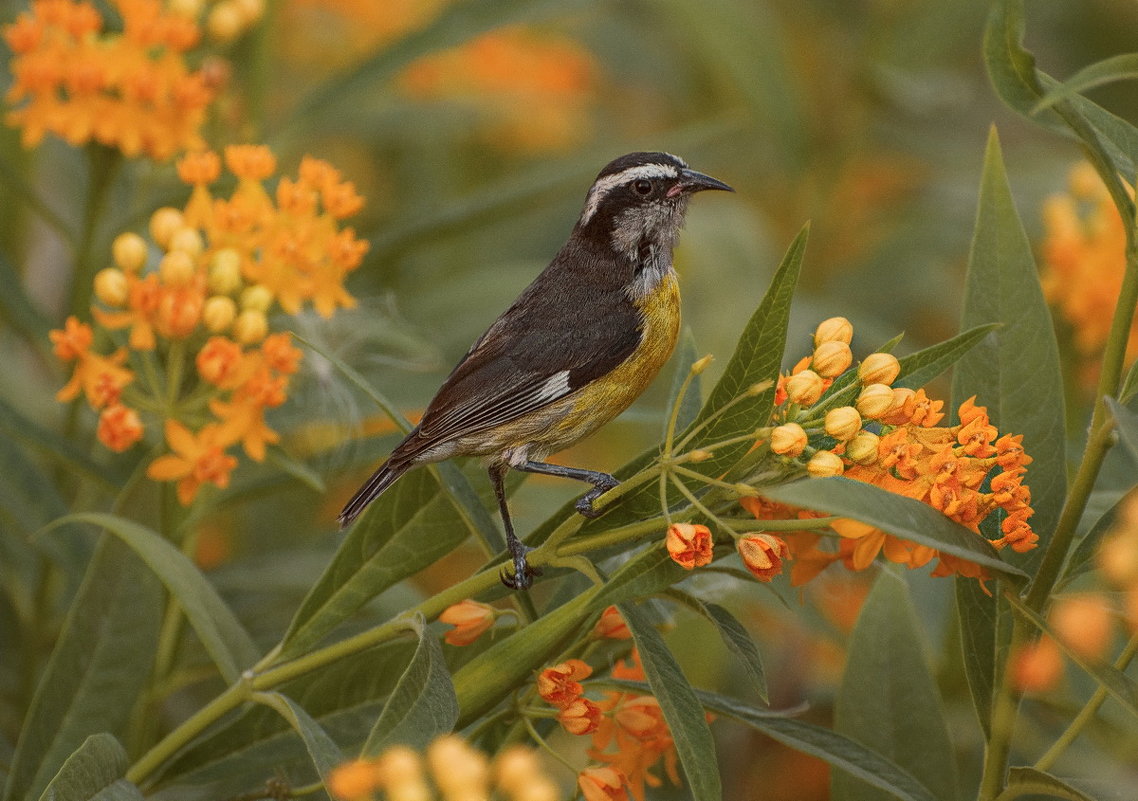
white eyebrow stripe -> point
(606, 184)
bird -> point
(575, 349)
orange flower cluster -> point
(890, 438)
(131, 91)
(629, 734)
(538, 86)
(223, 264)
(1084, 257)
(453, 767)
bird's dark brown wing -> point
(567, 329)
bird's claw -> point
(584, 505)
(523, 575)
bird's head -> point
(640, 199)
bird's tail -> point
(380, 480)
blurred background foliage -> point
(473, 128)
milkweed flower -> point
(470, 620)
(762, 554)
(601, 783)
(689, 545)
(559, 685)
(132, 91)
(194, 309)
(611, 625)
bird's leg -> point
(523, 573)
(602, 482)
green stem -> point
(617, 536)
(1087, 713)
(1005, 707)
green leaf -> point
(985, 631)
(895, 514)
(324, 753)
(97, 672)
(1029, 781)
(1015, 371)
(920, 368)
(1116, 68)
(222, 635)
(1123, 688)
(404, 530)
(1129, 384)
(734, 635)
(94, 771)
(422, 705)
(1083, 557)
(888, 699)
(1126, 423)
(18, 309)
(682, 710)
(56, 449)
(833, 748)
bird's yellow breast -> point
(603, 399)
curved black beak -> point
(692, 181)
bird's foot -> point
(584, 506)
(522, 578)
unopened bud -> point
(129, 251)
(225, 271)
(835, 329)
(824, 464)
(176, 268)
(699, 455)
(225, 21)
(746, 490)
(804, 388)
(251, 10)
(879, 368)
(164, 223)
(842, 423)
(218, 313)
(758, 388)
(862, 449)
(901, 409)
(875, 401)
(250, 326)
(699, 365)
(185, 8)
(187, 240)
(788, 439)
(258, 297)
(111, 287)
(831, 359)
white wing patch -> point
(606, 184)
(555, 386)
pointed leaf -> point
(1114, 681)
(54, 448)
(94, 771)
(690, 403)
(1015, 371)
(682, 710)
(894, 514)
(921, 368)
(324, 753)
(1085, 553)
(422, 705)
(734, 634)
(404, 530)
(985, 632)
(1029, 781)
(1116, 68)
(888, 699)
(97, 672)
(222, 635)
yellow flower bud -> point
(187, 240)
(186, 8)
(225, 21)
(164, 223)
(825, 463)
(788, 439)
(225, 271)
(875, 401)
(176, 268)
(129, 251)
(901, 396)
(251, 10)
(250, 326)
(111, 287)
(879, 368)
(218, 313)
(804, 388)
(843, 423)
(258, 297)
(699, 365)
(699, 455)
(831, 359)
(835, 329)
(862, 449)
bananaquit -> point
(573, 351)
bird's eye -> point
(643, 186)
